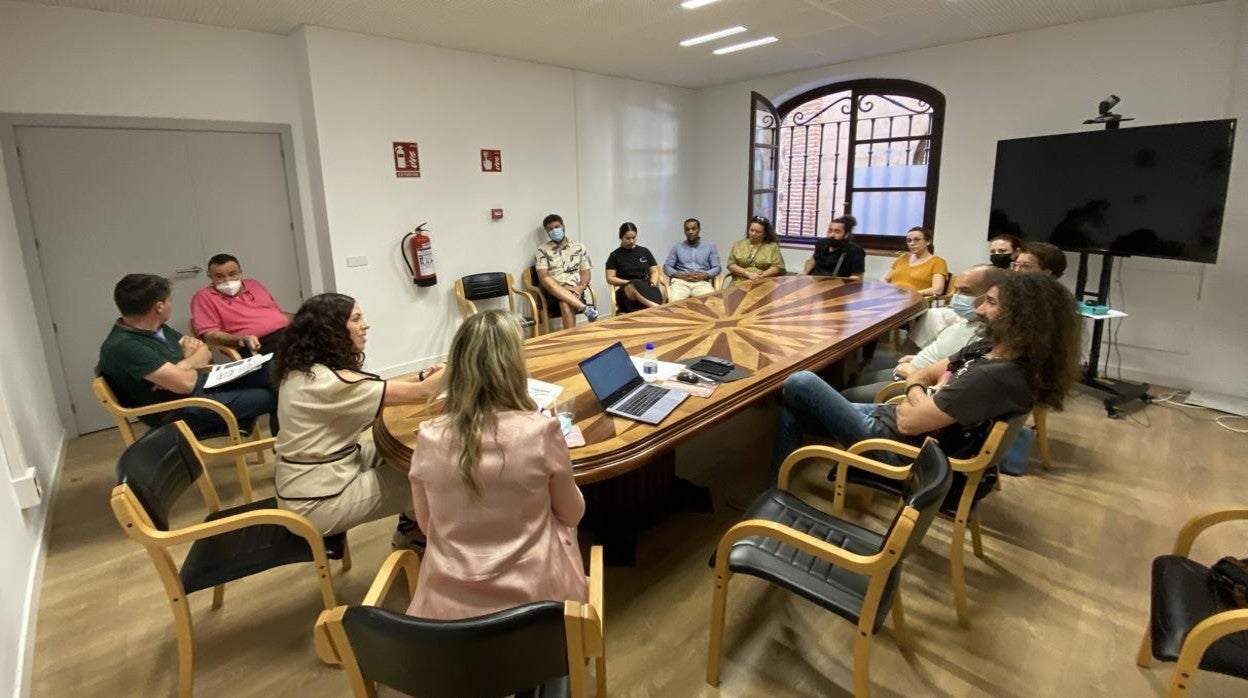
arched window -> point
(869, 148)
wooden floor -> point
(1056, 609)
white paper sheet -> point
(543, 393)
(224, 373)
(667, 369)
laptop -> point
(622, 391)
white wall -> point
(595, 150)
(1168, 66)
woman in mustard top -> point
(919, 270)
(758, 255)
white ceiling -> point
(639, 38)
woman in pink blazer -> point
(492, 486)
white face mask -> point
(230, 288)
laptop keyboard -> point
(643, 400)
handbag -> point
(1230, 578)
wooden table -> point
(773, 327)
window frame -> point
(859, 89)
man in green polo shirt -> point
(146, 361)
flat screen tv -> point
(1152, 191)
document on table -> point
(667, 369)
(543, 393)
(224, 373)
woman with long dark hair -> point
(326, 400)
(491, 484)
(758, 255)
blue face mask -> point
(556, 234)
(963, 305)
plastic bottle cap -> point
(649, 346)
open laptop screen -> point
(609, 371)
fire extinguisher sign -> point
(406, 160)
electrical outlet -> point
(29, 492)
(357, 261)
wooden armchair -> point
(153, 473)
(1190, 623)
(498, 284)
(547, 311)
(123, 415)
(861, 581)
(974, 479)
(542, 645)
(663, 289)
(229, 352)
(944, 298)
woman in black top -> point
(634, 273)
(837, 254)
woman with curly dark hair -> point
(325, 402)
(1030, 354)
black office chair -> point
(496, 284)
(536, 650)
(849, 570)
(230, 544)
(974, 478)
(1190, 622)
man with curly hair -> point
(146, 361)
(1030, 354)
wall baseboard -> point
(26, 643)
(408, 366)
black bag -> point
(1230, 578)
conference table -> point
(770, 327)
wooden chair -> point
(497, 284)
(944, 298)
(547, 311)
(1190, 623)
(122, 416)
(542, 645)
(153, 473)
(663, 289)
(861, 580)
(974, 479)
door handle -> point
(189, 270)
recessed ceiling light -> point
(695, 4)
(749, 44)
(712, 36)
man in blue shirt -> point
(691, 265)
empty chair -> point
(848, 570)
(1191, 623)
(495, 284)
(153, 473)
(538, 649)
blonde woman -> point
(492, 486)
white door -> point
(107, 202)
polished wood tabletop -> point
(772, 327)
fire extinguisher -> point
(421, 252)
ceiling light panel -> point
(695, 4)
(712, 36)
(743, 46)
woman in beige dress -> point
(325, 402)
(492, 486)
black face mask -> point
(1001, 260)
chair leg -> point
(1184, 674)
(719, 605)
(326, 584)
(862, 663)
(244, 477)
(899, 622)
(1145, 656)
(259, 457)
(977, 543)
(324, 645)
(1041, 418)
(183, 629)
(957, 572)
(600, 675)
(218, 596)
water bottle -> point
(649, 364)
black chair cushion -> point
(483, 286)
(834, 588)
(247, 551)
(158, 467)
(1183, 596)
(510, 651)
(948, 507)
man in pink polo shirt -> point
(237, 312)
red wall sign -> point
(406, 160)
(491, 161)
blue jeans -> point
(814, 407)
(247, 397)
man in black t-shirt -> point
(837, 254)
(1031, 355)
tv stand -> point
(1118, 394)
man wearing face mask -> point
(236, 312)
(563, 272)
(969, 285)
(837, 254)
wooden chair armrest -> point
(231, 353)
(889, 445)
(528, 297)
(1210, 630)
(233, 449)
(839, 456)
(891, 390)
(592, 614)
(863, 564)
(1200, 523)
(466, 307)
(291, 521)
(400, 562)
(177, 404)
